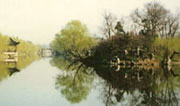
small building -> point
(46, 52)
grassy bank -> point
(168, 45)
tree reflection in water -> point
(75, 81)
(10, 69)
(152, 87)
(133, 86)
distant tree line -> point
(25, 48)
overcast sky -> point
(39, 20)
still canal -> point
(42, 83)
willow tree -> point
(73, 40)
(72, 44)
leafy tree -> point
(119, 28)
(73, 41)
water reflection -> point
(8, 69)
(75, 81)
(133, 86)
(155, 88)
(13, 70)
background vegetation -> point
(156, 34)
(25, 48)
(73, 41)
(27, 53)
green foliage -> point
(3, 45)
(25, 48)
(3, 71)
(22, 63)
(71, 44)
(75, 89)
(75, 81)
(28, 49)
(169, 45)
(74, 40)
(4, 40)
(27, 53)
(108, 49)
(61, 63)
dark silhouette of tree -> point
(155, 20)
(119, 28)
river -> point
(39, 85)
(35, 86)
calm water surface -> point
(35, 86)
(39, 84)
